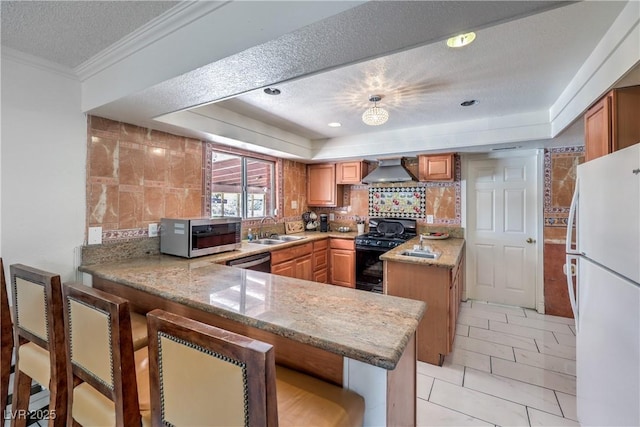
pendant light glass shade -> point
(375, 116)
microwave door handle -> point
(571, 270)
(573, 220)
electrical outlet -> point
(153, 230)
(429, 219)
(95, 236)
(294, 204)
(332, 216)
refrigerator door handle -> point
(570, 270)
(573, 219)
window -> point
(241, 186)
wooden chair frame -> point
(258, 357)
(6, 337)
(55, 345)
(124, 393)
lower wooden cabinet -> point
(342, 262)
(293, 262)
(441, 289)
(320, 261)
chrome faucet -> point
(260, 235)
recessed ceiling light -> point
(461, 40)
(334, 125)
(469, 103)
(272, 91)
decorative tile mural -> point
(397, 202)
(560, 168)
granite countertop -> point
(249, 248)
(449, 249)
(364, 326)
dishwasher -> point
(260, 262)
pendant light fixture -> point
(375, 116)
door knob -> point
(530, 240)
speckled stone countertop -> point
(364, 326)
(449, 249)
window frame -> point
(276, 188)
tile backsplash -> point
(135, 176)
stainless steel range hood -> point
(389, 170)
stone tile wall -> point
(559, 182)
(135, 176)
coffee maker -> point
(324, 223)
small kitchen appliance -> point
(194, 237)
(384, 234)
(324, 223)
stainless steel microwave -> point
(194, 237)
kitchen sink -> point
(291, 238)
(420, 254)
(269, 241)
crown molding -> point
(172, 20)
(37, 62)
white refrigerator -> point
(603, 276)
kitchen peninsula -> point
(360, 340)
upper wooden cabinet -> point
(612, 123)
(437, 167)
(351, 172)
(322, 189)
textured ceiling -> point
(516, 67)
(70, 32)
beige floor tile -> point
(532, 314)
(533, 375)
(497, 308)
(522, 331)
(462, 330)
(512, 390)
(544, 419)
(568, 405)
(545, 361)
(564, 339)
(478, 405)
(449, 372)
(423, 386)
(484, 347)
(430, 414)
(484, 314)
(545, 325)
(554, 349)
(476, 322)
(502, 338)
(471, 359)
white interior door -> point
(502, 229)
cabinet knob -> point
(530, 240)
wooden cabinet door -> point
(597, 129)
(343, 268)
(350, 172)
(321, 185)
(287, 268)
(436, 167)
(304, 268)
(321, 276)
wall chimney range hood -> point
(389, 170)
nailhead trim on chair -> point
(16, 311)
(109, 386)
(242, 365)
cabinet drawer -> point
(343, 244)
(283, 255)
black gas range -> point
(384, 234)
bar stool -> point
(231, 380)
(6, 340)
(39, 337)
(110, 380)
